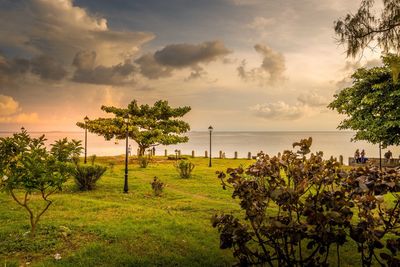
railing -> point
(375, 162)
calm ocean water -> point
(331, 143)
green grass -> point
(105, 227)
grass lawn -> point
(108, 228)
(105, 227)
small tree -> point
(148, 126)
(67, 151)
(27, 167)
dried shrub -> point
(184, 168)
(157, 186)
(299, 210)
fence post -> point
(205, 154)
(249, 155)
(192, 153)
(165, 153)
(220, 154)
(341, 160)
(236, 155)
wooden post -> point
(205, 154)
(165, 153)
(220, 154)
(236, 155)
(249, 155)
(192, 153)
(341, 160)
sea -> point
(332, 143)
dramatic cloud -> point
(44, 66)
(312, 99)
(9, 112)
(59, 30)
(151, 69)
(47, 68)
(278, 111)
(88, 72)
(271, 69)
(10, 69)
(180, 56)
(8, 105)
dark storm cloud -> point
(47, 68)
(87, 72)
(151, 69)
(44, 66)
(10, 69)
(184, 55)
(179, 56)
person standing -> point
(357, 156)
(362, 158)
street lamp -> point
(126, 120)
(210, 129)
(86, 119)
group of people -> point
(360, 157)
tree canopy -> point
(147, 125)
(372, 105)
(358, 31)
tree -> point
(147, 125)
(371, 105)
(27, 167)
(357, 31)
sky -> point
(242, 65)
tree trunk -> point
(142, 150)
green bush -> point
(157, 186)
(143, 161)
(86, 176)
(184, 168)
(300, 210)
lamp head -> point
(210, 129)
(86, 119)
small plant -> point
(143, 161)
(157, 186)
(86, 176)
(27, 167)
(184, 168)
(93, 159)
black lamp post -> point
(86, 119)
(126, 120)
(210, 129)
